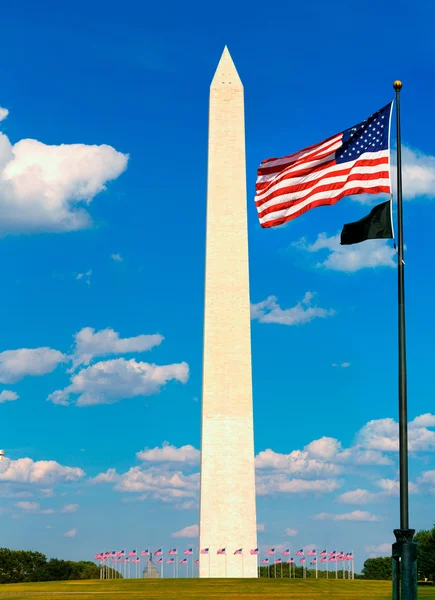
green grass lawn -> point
(208, 589)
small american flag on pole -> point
(254, 551)
(271, 551)
(183, 561)
(158, 552)
(170, 561)
(135, 560)
(264, 561)
(311, 553)
(132, 553)
(323, 553)
(300, 552)
(188, 551)
(118, 559)
(159, 561)
(205, 551)
(323, 560)
(120, 553)
(196, 562)
(221, 551)
(239, 551)
(291, 560)
(277, 561)
(286, 552)
(145, 553)
(302, 560)
(355, 161)
(173, 551)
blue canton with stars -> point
(370, 135)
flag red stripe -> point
(300, 152)
(327, 202)
(305, 158)
(311, 183)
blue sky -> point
(103, 157)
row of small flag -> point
(325, 556)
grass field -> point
(191, 589)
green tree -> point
(426, 553)
(377, 568)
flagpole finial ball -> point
(397, 85)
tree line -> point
(20, 566)
(381, 568)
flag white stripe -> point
(318, 177)
(302, 154)
(320, 196)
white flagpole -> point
(336, 567)
(317, 575)
(353, 566)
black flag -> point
(376, 225)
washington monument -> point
(227, 493)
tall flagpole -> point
(404, 550)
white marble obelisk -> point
(227, 494)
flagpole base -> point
(404, 565)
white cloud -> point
(291, 532)
(70, 508)
(33, 508)
(42, 472)
(356, 515)
(389, 487)
(192, 531)
(380, 549)
(426, 420)
(16, 364)
(71, 533)
(269, 311)
(89, 344)
(7, 395)
(428, 478)
(117, 257)
(110, 476)
(325, 447)
(159, 483)
(167, 453)
(109, 381)
(383, 434)
(46, 492)
(85, 276)
(358, 496)
(298, 462)
(370, 254)
(343, 365)
(280, 483)
(48, 188)
(3, 113)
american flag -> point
(333, 553)
(286, 552)
(221, 551)
(271, 551)
(205, 551)
(332, 559)
(173, 551)
(118, 559)
(239, 551)
(145, 553)
(159, 561)
(126, 560)
(98, 557)
(170, 561)
(313, 562)
(323, 560)
(183, 561)
(277, 561)
(311, 553)
(196, 562)
(300, 552)
(323, 553)
(158, 552)
(120, 553)
(112, 554)
(354, 161)
(291, 560)
(188, 551)
(132, 553)
(302, 560)
(136, 560)
(254, 551)
(264, 561)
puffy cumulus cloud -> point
(70, 533)
(359, 456)
(41, 472)
(373, 253)
(427, 478)
(325, 447)
(89, 344)
(159, 483)
(379, 549)
(383, 435)
(110, 476)
(356, 515)
(117, 257)
(48, 188)
(7, 396)
(167, 453)
(192, 531)
(389, 487)
(269, 311)
(291, 532)
(358, 496)
(298, 462)
(16, 364)
(109, 381)
(3, 113)
(70, 508)
(280, 483)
